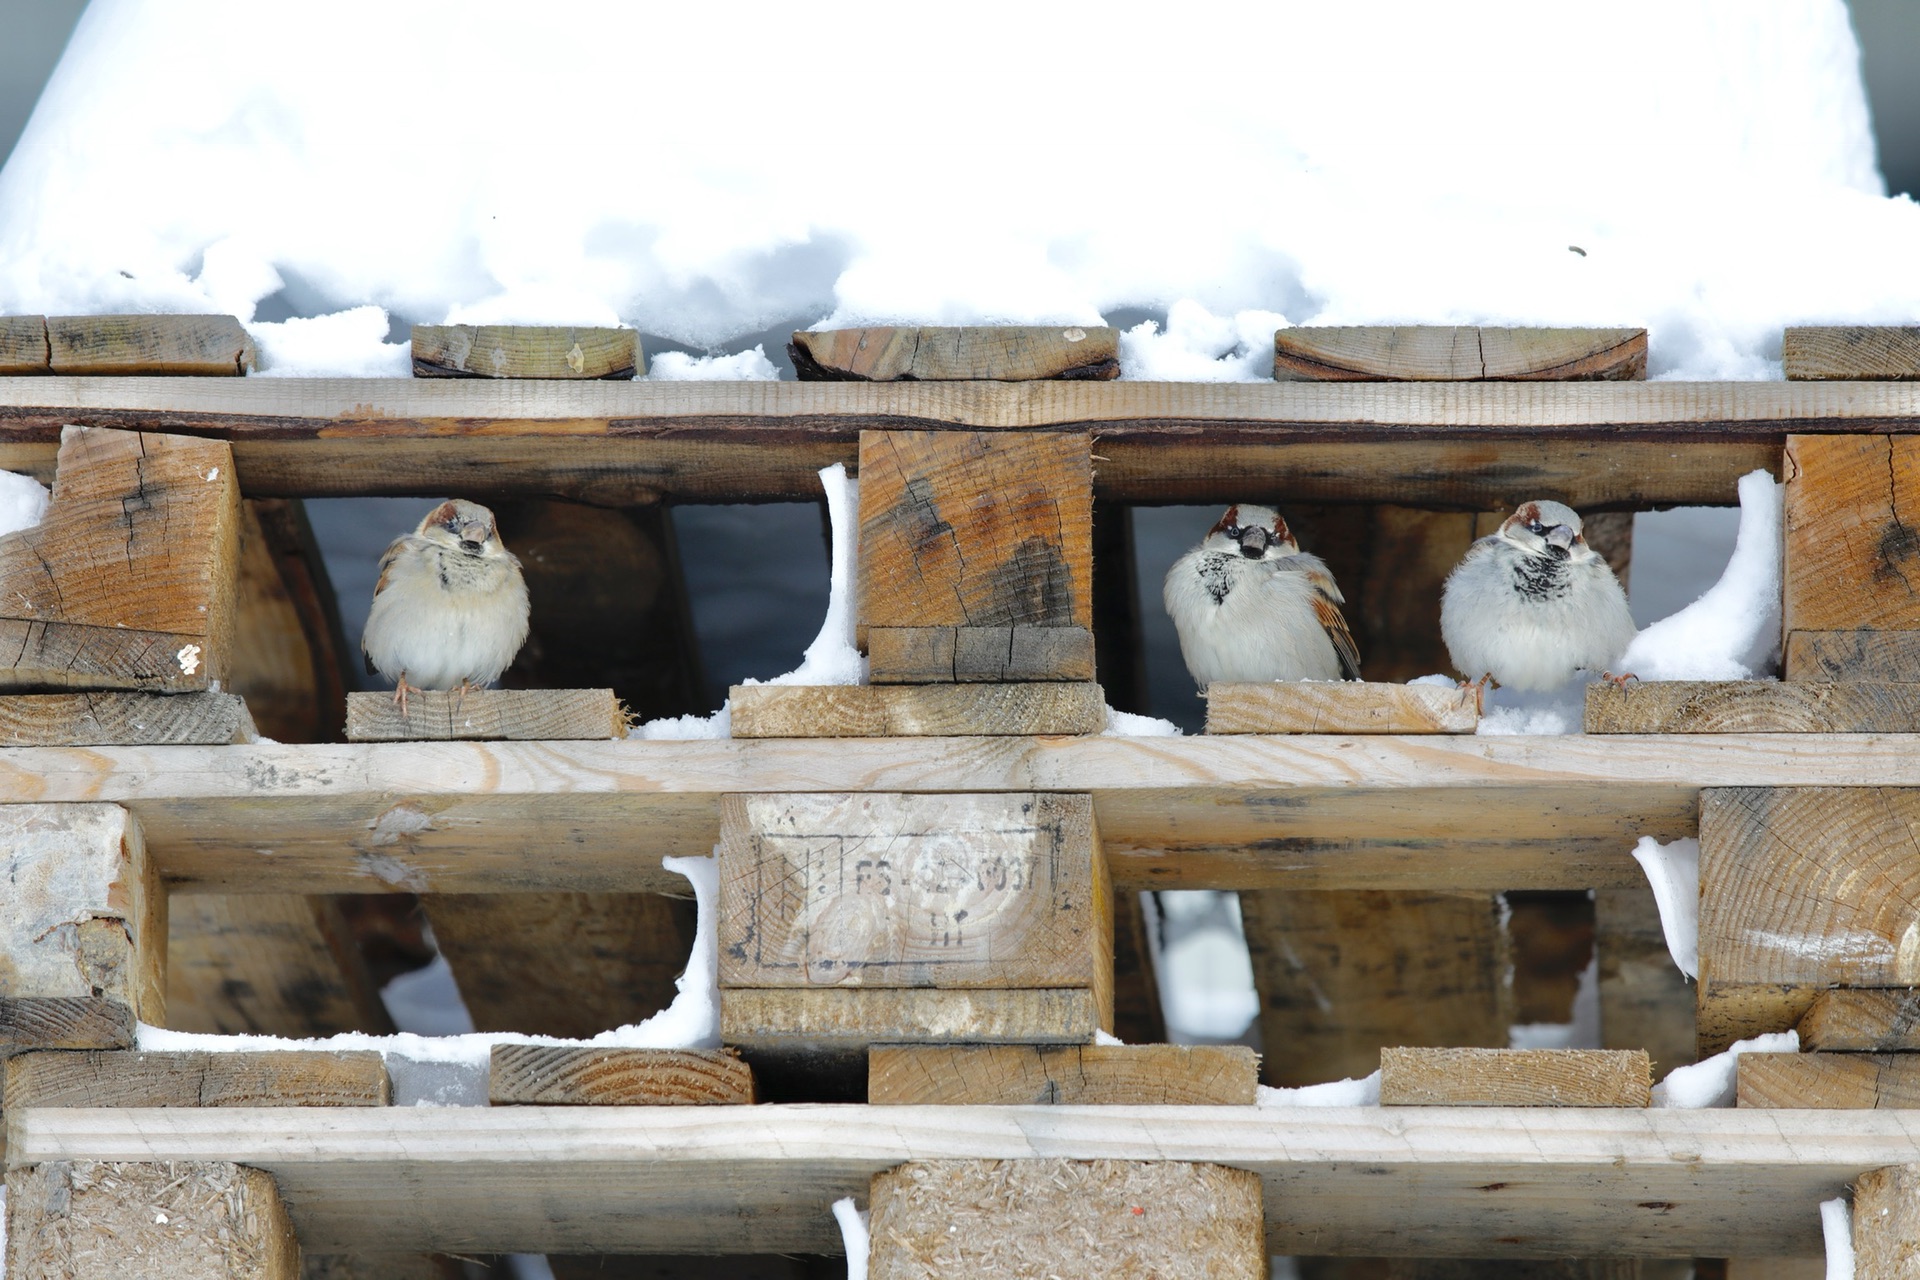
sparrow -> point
(1250, 605)
(450, 608)
(1533, 605)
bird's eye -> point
(1537, 528)
(1233, 531)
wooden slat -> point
(1852, 508)
(1886, 1235)
(287, 642)
(1348, 707)
(198, 1079)
(1877, 1021)
(482, 715)
(23, 346)
(1520, 1182)
(64, 1022)
(834, 1020)
(1065, 1075)
(127, 719)
(926, 655)
(555, 1075)
(1645, 1001)
(524, 351)
(905, 711)
(1424, 353)
(1828, 1080)
(1515, 1078)
(1002, 353)
(168, 345)
(1753, 706)
(267, 964)
(1853, 655)
(1850, 352)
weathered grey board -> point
(1420, 353)
(176, 345)
(63, 1022)
(1001, 353)
(560, 1075)
(915, 711)
(1753, 706)
(1851, 352)
(1421, 1077)
(1347, 707)
(23, 346)
(123, 719)
(193, 1078)
(1064, 1075)
(481, 715)
(930, 655)
(524, 351)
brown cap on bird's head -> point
(1555, 522)
(1255, 528)
(467, 521)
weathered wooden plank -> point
(193, 1078)
(1852, 505)
(513, 715)
(1411, 1181)
(1863, 1020)
(129, 580)
(1347, 707)
(1853, 655)
(267, 964)
(890, 890)
(1425, 1077)
(23, 346)
(1828, 1080)
(1855, 352)
(525, 351)
(1070, 1219)
(1068, 1074)
(838, 1020)
(287, 644)
(1645, 1001)
(1886, 1224)
(1426, 353)
(915, 711)
(554, 1075)
(63, 1022)
(1001, 353)
(168, 345)
(1753, 706)
(170, 1220)
(975, 529)
(931, 655)
(126, 719)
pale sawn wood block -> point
(561, 1075)
(1423, 1077)
(1854, 352)
(175, 345)
(124, 719)
(1350, 706)
(1753, 706)
(1414, 353)
(914, 711)
(487, 715)
(1828, 1081)
(1064, 1074)
(1856, 1019)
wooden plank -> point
(1427, 353)
(1348, 707)
(1001, 353)
(128, 582)
(772, 1022)
(1424, 1077)
(1852, 505)
(1854, 655)
(1410, 1181)
(1645, 1001)
(168, 345)
(1828, 1080)
(1728, 1011)
(63, 1022)
(127, 719)
(557, 1075)
(267, 964)
(1852, 352)
(963, 655)
(287, 645)
(1069, 1074)
(915, 711)
(177, 1220)
(513, 715)
(1753, 706)
(888, 890)
(524, 351)
(23, 346)
(1884, 1228)
(1872, 1021)
(975, 529)
(287, 1078)
(1070, 1219)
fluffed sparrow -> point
(1250, 605)
(1533, 605)
(450, 609)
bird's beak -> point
(473, 536)
(1253, 543)
(1560, 536)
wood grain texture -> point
(482, 715)
(889, 890)
(1000, 353)
(965, 655)
(125, 719)
(1830, 1081)
(1060, 1075)
(1886, 1226)
(23, 346)
(1645, 1001)
(1853, 655)
(1852, 553)
(1426, 353)
(1863, 1020)
(1067, 1219)
(555, 1075)
(1855, 352)
(1753, 706)
(267, 964)
(788, 1020)
(130, 1078)
(915, 711)
(524, 351)
(975, 529)
(1411, 1181)
(63, 1022)
(149, 345)
(1426, 1077)
(166, 1220)
(1347, 707)
(1728, 1011)
(287, 645)
(128, 583)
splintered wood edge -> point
(562, 1075)
(1515, 1077)
(1349, 706)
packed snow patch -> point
(750, 365)
(1836, 1224)
(1364, 1092)
(1125, 724)
(23, 502)
(1673, 871)
(855, 1224)
(351, 343)
(1710, 1083)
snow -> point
(1364, 1092)
(854, 1225)
(1709, 1083)
(23, 502)
(1836, 1224)
(288, 188)
(750, 365)
(1583, 1032)
(1673, 870)
(1200, 957)
(1125, 724)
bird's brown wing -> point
(1327, 609)
(387, 558)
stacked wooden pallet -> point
(925, 904)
